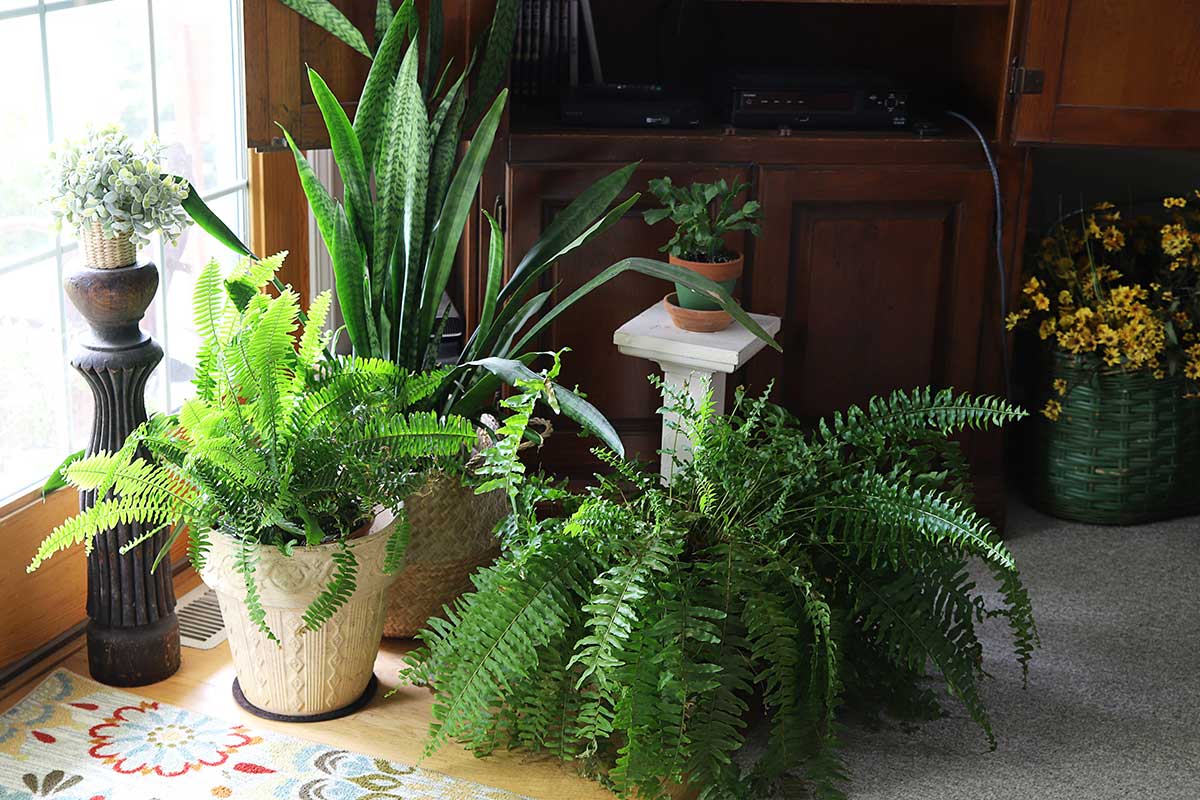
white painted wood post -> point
(691, 361)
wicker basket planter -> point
(100, 252)
(1125, 450)
(451, 537)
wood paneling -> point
(1117, 72)
(279, 216)
(615, 383)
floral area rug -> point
(73, 739)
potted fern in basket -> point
(393, 239)
(795, 571)
(289, 472)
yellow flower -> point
(1064, 298)
(1106, 335)
(1032, 286)
(1082, 315)
(1060, 386)
(1052, 410)
(1013, 320)
(1041, 302)
(1174, 202)
(1159, 374)
(1113, 240)
(1093, 230)
(1175, 239)
(1046, 329)
(1112, 356)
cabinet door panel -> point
(615, 383)
(1117, 72)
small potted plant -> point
(703, 214)
(289, 471)
(115, 194)
(1115, 299)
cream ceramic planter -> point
(307, 674)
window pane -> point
(25, 227)
(33, 436)
(198, 105)
(182, 266)
(100, 67)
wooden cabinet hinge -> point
(1022, 80)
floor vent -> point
(200, 624)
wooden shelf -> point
(583, 145)
(959, 3)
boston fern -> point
(280, 446)
(797, 571)
(409, 190)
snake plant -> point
(408, 193)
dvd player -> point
(818, 102)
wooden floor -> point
(389, 727)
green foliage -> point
(281, 446)
(800, 570)
(410, 188)
(103, 177)
(703, 213)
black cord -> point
(991, 162)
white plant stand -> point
(689, 361)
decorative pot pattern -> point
(307, 672)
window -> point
(169, 67)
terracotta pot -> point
(307, 673)
(698, 321)
(451, 536)
(725, 273)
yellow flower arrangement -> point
(1124, 291)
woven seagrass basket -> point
(1125, 449)
(100, 252)
(451, 537)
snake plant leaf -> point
(400, 224)
(371, 114)
(350, 277)
(575, 407)
(493, 68)
(446, 132)
(58, 478)
(454, 213)
(513, 326)
(663, 271)
(319, 199)
(566, 228)
(208, 221)
(349, 157)
(383, 19)
(505, 316)
(327, 15)
(433, 45)
(491, 288)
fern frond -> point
(397, 543)
(246, 563)
(337, 592)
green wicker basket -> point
(1125, 450)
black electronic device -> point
(817, 102)
(630, 106)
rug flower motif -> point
(73, 739)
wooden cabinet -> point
(878, 274)
(616, 384)
(1111, 72)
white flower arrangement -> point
(104, 177)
